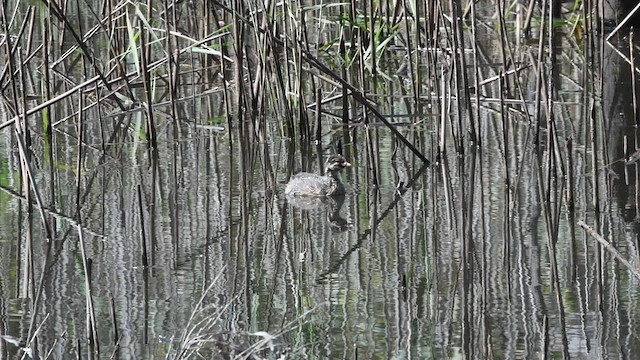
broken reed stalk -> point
(143, 237)
(36, 293)
(318, 118)
(225, 90)
(358, 47)
(592, 138)
(312, 85)
(375, 221)
(555, 169)
(145, 56)
(373, 10)
(80, 129)
(609, 247)
(173, 66)
(174, 181)
(413, 57)
(634, 93)
(29, 188)
(571, 213)
(468, 246)
(373, 156)
(57, 13)
(441, 125)
(239, 57)
(37, 108)
(21, 128)
(114, 324)
(624, 21)
(92, 325)
(358, 96)
(303, 118)
(47, 119)
(155, 173)
(342, 51)
(512, 60)
(460, 80)
(507, 178)
(475, 135)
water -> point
(195, 251)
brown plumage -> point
(307, 184)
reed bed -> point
(492, 213)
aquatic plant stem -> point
(362, 100)
(609, 247)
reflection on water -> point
(330, 205)
(476, 255)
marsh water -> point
(190, 248)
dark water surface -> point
(477, 255)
